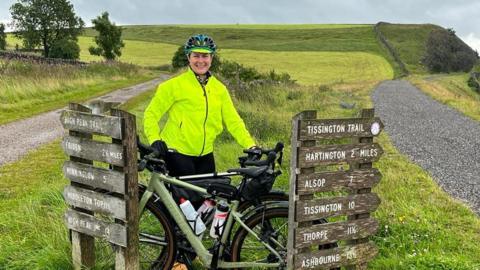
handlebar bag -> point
(258, 186)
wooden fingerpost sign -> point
(331, 231)
(103, 202)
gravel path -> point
(440, 139)
(19, 137)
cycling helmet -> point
(200, 43)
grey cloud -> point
(461, 15)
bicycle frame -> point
(157, 185)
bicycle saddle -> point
(250, 171)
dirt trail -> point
(440, 139)
(20, 137)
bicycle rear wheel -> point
(156, 234)
(272, 224)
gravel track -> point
(440, 139)
(19, 137)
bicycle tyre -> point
(273, 196)
(154, 225)
(258, 223)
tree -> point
(3, 37)
(65, 49)
(445, 52)
(44, 22)
(109, 39)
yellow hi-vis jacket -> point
(195, 115)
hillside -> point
(409, 42)
(328, 53)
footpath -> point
(20, 137)
(440, 139)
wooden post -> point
(83, 246)
(292, 223)
(127, 258)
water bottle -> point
(205, 208)
(219, 220)
(192, 217)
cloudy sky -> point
(461, 15)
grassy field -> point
(421, 227)
(141, 53)
(409, 41)
(451, 90)
(310, 68)
(317, 39)
(272, 26)
(27, 89)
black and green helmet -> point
(200, 43)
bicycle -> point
(163, 227)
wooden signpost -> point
(331, 231)
(104, 202)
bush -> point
(3, 37)
(474, 81)
(65, 49)
(445, 52)
(243, 79)
(180, 60)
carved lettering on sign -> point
(95, 177)
(319, 234)
(329, 181)
(91, 123)
(331, 154)
(328, 207)
(93, 150)
(97, 202)
(90, 225)
(337, 128)
(336, 257)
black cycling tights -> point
(179, 164)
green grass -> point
(409, 42)
(27, 89)
(318, 39)
(421, 227)
(12, 41)
(315, 68)
(270, 26)
(141, 53)
(451, 90)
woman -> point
(197, 104)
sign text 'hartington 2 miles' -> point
(331, 154)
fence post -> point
(83, 246)
(98, 195)
(127, 258)
(292, 223)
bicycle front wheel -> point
(270, 224)
(156, 236)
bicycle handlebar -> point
(278, 147)
(149, 157)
